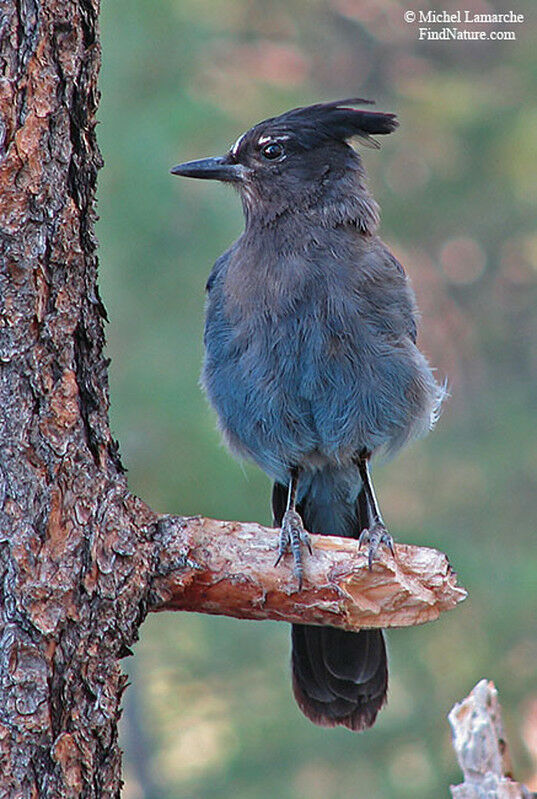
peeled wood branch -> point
(227, 568)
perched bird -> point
(311, 362)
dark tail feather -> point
(325, 687)
(338, 677)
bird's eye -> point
(272, 151)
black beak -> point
(219, 168)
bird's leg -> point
(377, 533)
(292, 532)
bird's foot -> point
(292, 535)
(375, 536)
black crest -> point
(337, 120)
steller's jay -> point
(311, 362)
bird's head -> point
(301, 161)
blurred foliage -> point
(210, 713)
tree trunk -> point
(82, 560)
(69, 549)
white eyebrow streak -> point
(235, 148)
(265, 139)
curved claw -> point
(292, 535)
(375, 536)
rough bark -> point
(70, 556)
(81, 559)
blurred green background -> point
(210, 711)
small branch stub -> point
(481, 748)
(227, 568)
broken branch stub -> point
(481, 748)
(227, 568)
